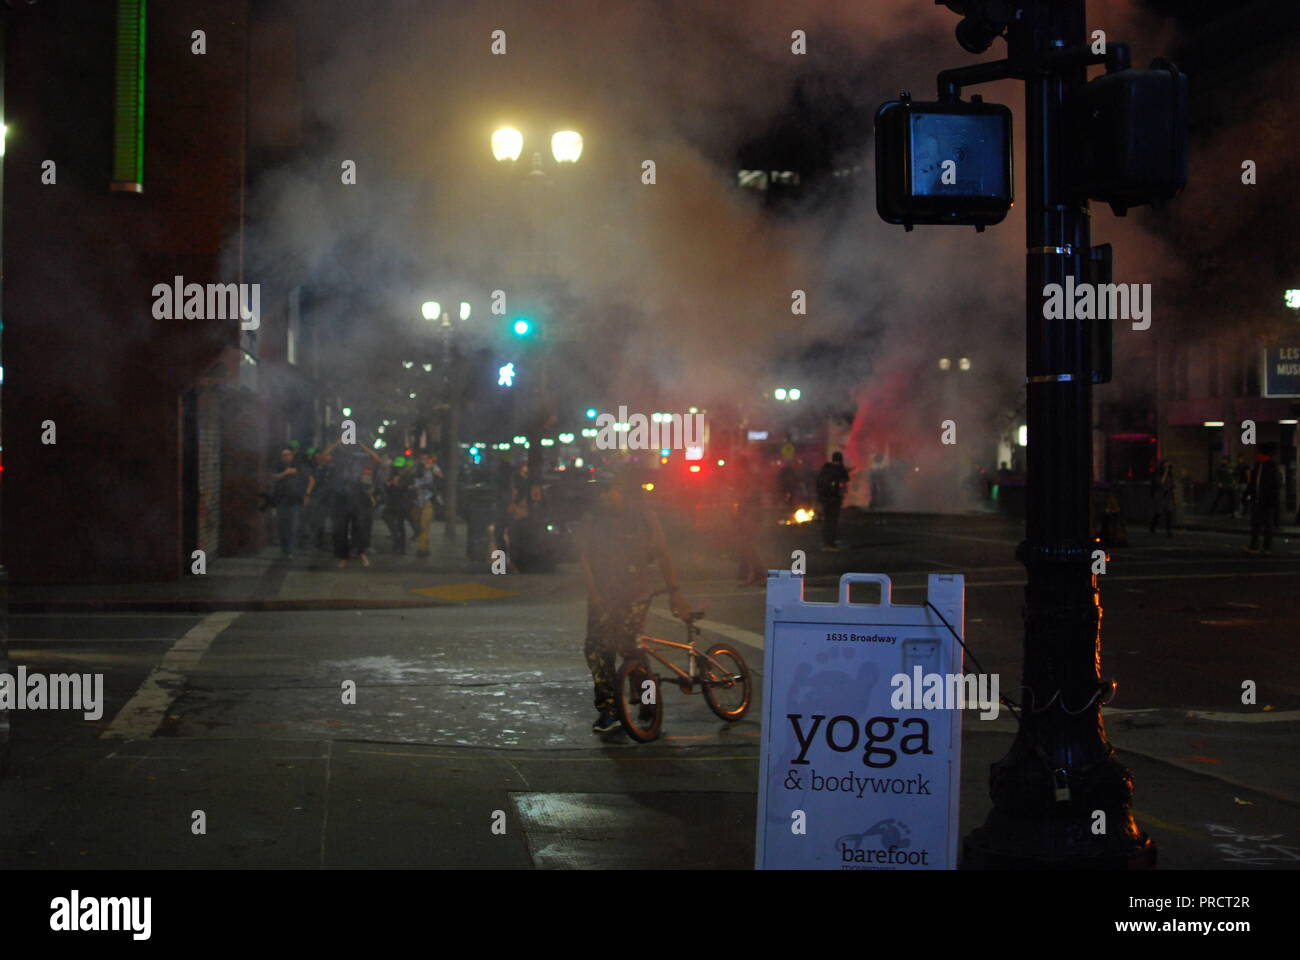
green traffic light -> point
(522, 327)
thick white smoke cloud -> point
(686, 283)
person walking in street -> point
(287, 495)
(620, 542)
(319, 500)
(422, 485)
(1262, 490)
(509, 532)
(398, 500)
(1241, 473)
(354, 500)
(832, 481)
(1223, 483)
(1162, 489)
(787, 486)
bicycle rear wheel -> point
(641, 720)
(727, 687)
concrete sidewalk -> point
(310, 581)
(1227, 523)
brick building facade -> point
(164, 426)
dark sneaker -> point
(605, 723)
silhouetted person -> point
(1223, 484)
(354, 500)
(398, 499)
(620, 546)
(1241, 473)
(287, 494)
(1262, 490)
(320, 498)
(832, 481)
(787, 485)
(423, 486)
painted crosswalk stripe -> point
(144, 712)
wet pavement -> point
(468, 744)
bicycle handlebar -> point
(695, 614)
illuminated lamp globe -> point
(566, 146)
(507, 144)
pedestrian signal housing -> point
(1127, 137)
(944, 162)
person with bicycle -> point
(620, 544)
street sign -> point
(848, 781)
(1282, 371)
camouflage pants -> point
(608, 636)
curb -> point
(215, 606)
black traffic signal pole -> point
(1061, 771)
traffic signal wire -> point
(1012, 705)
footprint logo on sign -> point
(830, 691)
(892, 833)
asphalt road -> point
(1186, 618)
(475, 716)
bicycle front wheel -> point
(639, 708)
(727, 685)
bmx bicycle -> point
(719, 673)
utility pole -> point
(1061, 799)
(451, 469)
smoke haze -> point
(684, 285)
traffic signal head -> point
(522, 327)
(983, 21)
(1127, 137)
(946, 162)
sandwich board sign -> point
(848, 780)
